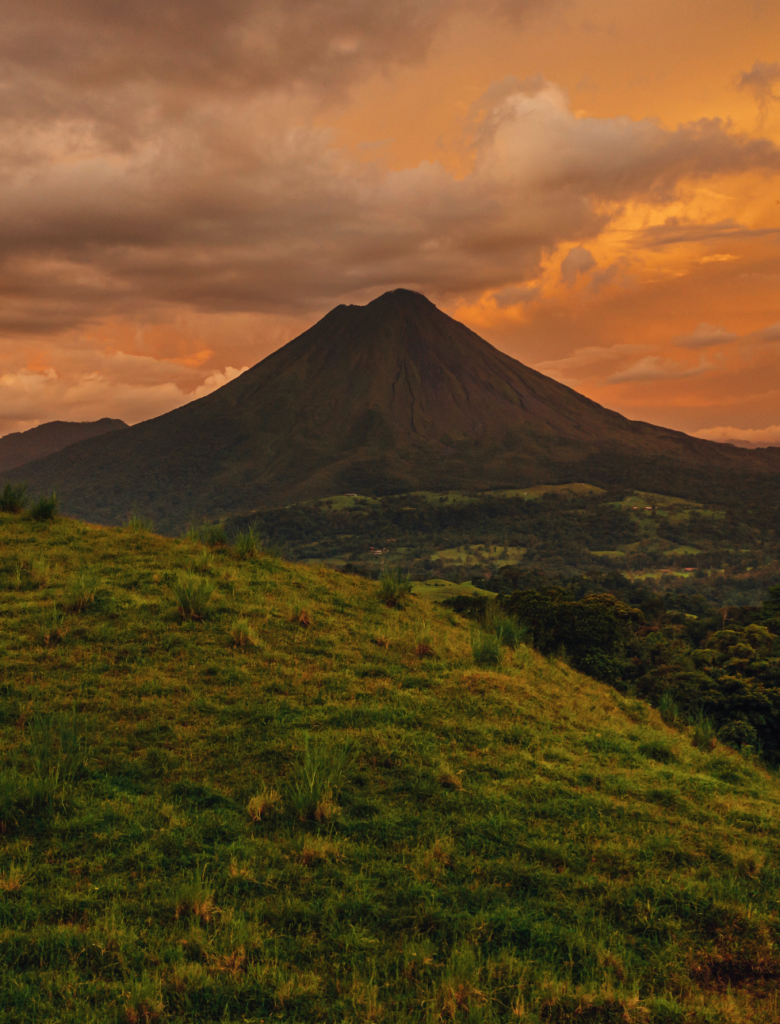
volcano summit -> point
(389, 397)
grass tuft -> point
(52, 623)
(13, 498)
(193, 596)
(266, 802)
(81, 590)
(394, 586)
(485, 649)
(246, 544)
(704, 734)
(45, 508)
(242, 634)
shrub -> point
(45, 508)
(246, 544)
(242, 634)
(192, 596)
(13, 498)
(485, 648)
(81, 591)
(317, 781)
(394, 586)
(264, 803)
(704, 734)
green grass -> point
(324, 826)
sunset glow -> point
(593, 188)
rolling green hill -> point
(386, 398)
(304, 805)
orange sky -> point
(594, 188)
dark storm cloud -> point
(149, 157)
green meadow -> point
(238, 789)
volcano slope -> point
(347, 820)
(389, 397)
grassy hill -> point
(346, 819)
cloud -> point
(771, 333)
(229, 209)
(655, 368)
(763, 436)
(705, 336)
(591, 361)
(760, 80)
(577, 261)
(131, 387)
(515, 294)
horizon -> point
(590, 188)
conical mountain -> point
(388, 397)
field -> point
(297, 804)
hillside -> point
(390, 397)
(38, 442)
(347, 820)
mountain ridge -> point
(387, 397)
(24, 446)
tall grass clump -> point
(704, 735)
(13, 498)
(136, 524)
(510, 632)
(57, 748)
(246, 544)
(668, 710)
(213, 534)
(45, 508)
(485, 649)
(318, 779)
(394, 586)
(192, 595)
(52, 625)
(81, 590)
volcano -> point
(389, 397)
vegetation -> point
(394, 586)
(44, 509)
(726, 552)
(13, 498)
(324, 826)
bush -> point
(81, 591)
(246, 544)
(202, 562)
(13, 499)
(45, 508)
(485, 648)
(394, 587)
(192, 596)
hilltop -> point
(38, 442)
(390, 397)
(307, 806)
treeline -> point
(721, 666)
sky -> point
(593, 187)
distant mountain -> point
(388, 397)
(26, 445)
